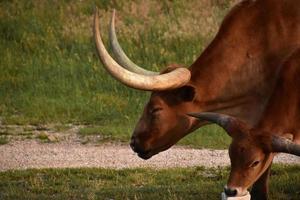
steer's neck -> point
(236, 74)
(233, 86)
(282, 114)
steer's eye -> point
(155, 110)
(254, 164)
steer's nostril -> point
(132, 143)
(230, 191)
(136, 146)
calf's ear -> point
(233, 126)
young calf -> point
(253, 148)
(251, 152)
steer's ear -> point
(233, 126)
(186, 93)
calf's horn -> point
(120, 55)
(174, 79)
(232, 126)
(280, 144)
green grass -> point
(3, 140)
(188, 183)
(42, 136)
(116, 133)
(210, 136)
(50, 72)
(62, 127)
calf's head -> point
(251, 151)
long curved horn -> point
(233, 126)
(120, 55)
(175, 79)
(280, 144)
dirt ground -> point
(70, 154)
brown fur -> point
(235, 75)
(251, 151)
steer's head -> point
(251, 151)
(164, 120)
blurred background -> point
(50, 72)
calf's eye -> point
(155, 110)
(255, 163)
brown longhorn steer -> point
(235, 74)
(253, 148)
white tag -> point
(245, 197)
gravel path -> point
(33, 154)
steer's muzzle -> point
(137, 147)
(134, 144)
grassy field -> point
(50, 72)
(190, 183)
